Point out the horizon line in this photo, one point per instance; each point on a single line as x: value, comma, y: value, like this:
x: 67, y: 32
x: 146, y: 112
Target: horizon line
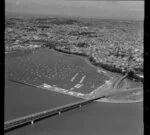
x: 72, y: 16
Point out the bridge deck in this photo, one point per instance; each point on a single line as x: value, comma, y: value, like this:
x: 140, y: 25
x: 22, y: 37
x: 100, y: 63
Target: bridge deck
x: 12, y: 124
x: 46, y: 113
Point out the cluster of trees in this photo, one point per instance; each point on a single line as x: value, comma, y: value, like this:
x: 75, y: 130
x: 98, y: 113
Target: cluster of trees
x: 82, y: 45
x: 113, y: 68
x: 50, y: 44
x: 64, y: 21
x: 43, y: 27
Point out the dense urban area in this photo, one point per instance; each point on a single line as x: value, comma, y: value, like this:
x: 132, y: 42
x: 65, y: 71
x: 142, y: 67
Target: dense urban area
x: 115, y: 45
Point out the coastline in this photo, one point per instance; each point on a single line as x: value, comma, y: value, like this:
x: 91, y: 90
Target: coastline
x: 85, y: 58
x: 105, y: 88
x: 108, y: 73
x: 112, y: 70
x: 105, y: 100
x: 86, y: 96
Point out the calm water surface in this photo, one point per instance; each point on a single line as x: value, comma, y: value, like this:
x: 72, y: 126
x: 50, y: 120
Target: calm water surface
x: 22, y: 100
x: 54, y: 68
x: 93, y: 119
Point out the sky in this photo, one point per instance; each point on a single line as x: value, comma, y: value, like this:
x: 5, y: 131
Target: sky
x: 109, y: 9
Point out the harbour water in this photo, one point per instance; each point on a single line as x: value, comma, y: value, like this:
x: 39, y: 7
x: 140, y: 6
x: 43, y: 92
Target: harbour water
x: 56, y: 69
x: 21, y: 100
x: 46, y: 66
x: 93, y: 119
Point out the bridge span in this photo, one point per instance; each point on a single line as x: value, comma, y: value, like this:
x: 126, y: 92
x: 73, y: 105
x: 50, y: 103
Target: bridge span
x: 30, y: 119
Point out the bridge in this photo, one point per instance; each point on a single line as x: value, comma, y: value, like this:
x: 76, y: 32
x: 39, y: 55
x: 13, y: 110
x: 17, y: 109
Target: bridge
x: 30, y: 119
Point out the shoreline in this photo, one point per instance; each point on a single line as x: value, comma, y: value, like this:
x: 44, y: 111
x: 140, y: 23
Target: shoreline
x: 132, y: 77
x: 81, y: 56
x: 106, y: 72
x: 104, y: 88
x: 105, y: 100
x: 76, y: 94
x: 85, y: 58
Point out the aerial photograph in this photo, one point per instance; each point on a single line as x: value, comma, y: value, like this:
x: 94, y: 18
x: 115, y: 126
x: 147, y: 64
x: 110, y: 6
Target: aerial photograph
x: 74, y: 67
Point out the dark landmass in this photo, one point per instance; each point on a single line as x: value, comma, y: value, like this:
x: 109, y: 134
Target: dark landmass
x: 114, y: 45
